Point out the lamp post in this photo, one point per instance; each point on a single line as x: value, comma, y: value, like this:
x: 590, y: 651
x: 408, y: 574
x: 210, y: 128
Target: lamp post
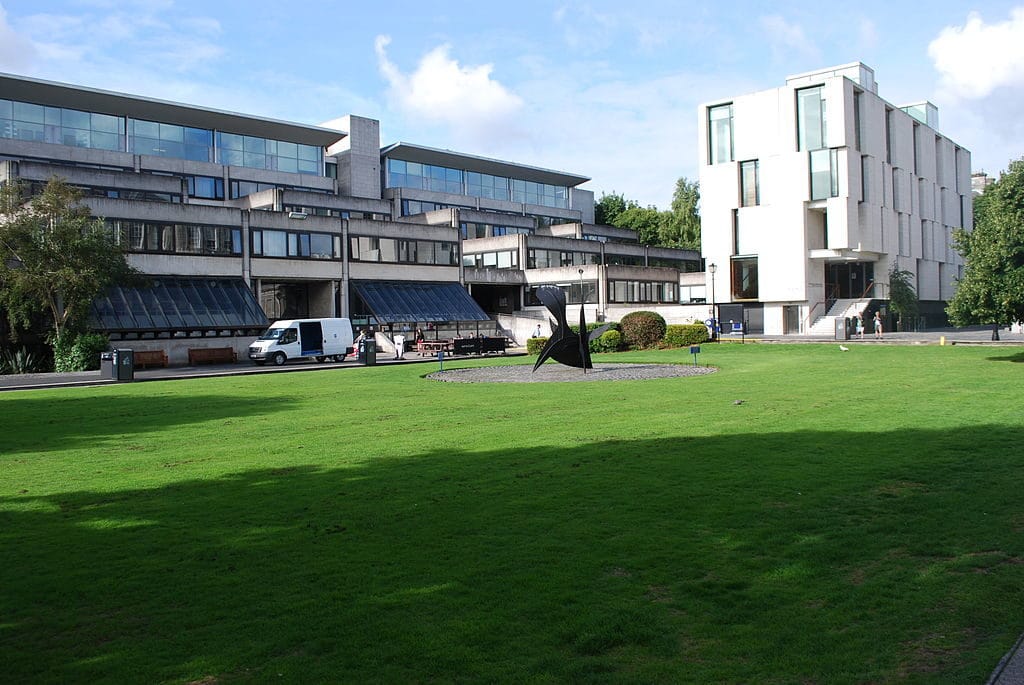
x: 712, y: 268
x: 582, y: 299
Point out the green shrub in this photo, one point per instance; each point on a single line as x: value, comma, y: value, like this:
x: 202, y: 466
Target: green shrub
x: 642, y: 330
x: 685, y: 335
x: 78, y: 353
x: 609, y: 341
x: 535, y: 345
x: 20, y: 361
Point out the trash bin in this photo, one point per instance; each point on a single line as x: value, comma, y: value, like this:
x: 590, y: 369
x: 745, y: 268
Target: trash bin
x: 124, y: 365
x: 369, y: 354
x: 107, y: 366
x: 842, y: 328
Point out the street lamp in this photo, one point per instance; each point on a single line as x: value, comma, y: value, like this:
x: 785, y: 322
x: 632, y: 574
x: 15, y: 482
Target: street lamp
x: 712, y: 268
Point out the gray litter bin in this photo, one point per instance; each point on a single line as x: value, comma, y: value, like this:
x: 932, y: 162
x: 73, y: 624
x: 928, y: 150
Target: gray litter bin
x: 369, y: 353
x: 107, y: 366
x: 842, y: 328
x: 124, y: 365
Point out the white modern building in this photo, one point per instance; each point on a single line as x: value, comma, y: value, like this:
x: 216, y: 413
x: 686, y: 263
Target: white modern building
x: 812, y: 191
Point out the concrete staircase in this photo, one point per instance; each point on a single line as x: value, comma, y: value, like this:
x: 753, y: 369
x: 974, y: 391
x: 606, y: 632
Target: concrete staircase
x: 826, y: 325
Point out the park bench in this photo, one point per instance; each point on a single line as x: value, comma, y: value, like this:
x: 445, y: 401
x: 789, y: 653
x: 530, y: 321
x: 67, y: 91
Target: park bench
x: 146, y: 358
x: 211, y: 355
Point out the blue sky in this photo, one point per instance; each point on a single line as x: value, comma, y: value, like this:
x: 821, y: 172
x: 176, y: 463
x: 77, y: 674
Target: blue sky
x: 607, y: 89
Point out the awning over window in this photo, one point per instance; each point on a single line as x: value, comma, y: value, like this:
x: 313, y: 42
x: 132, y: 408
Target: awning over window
x: 398, y: 301
x: 178, y: 304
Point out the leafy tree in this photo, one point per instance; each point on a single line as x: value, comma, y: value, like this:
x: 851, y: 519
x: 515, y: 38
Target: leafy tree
x: 902, y: 296
x: 682, y: 226
x: 992, y: 289
x: 54, y: 258
x: 609, y: 207
x: 646, y: 221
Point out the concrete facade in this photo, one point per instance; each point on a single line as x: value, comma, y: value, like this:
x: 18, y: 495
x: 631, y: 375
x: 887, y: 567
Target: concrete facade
x: 299, y: 212
x: 821, y: 187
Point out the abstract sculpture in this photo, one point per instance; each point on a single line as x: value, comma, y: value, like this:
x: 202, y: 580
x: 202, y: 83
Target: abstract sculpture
x: 565, y: 346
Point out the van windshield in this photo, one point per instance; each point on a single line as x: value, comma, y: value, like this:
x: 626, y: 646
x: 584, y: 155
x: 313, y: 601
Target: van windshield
x: 272, y: 333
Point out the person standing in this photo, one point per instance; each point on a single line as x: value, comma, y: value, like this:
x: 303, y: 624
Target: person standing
x: 878, y: 325
x: 399, y: 346
x: 860, y: 325
x: 536, y: 332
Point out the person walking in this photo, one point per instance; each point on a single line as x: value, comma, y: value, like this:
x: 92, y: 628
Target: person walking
x: 536, y: 332
x: 860, y: 325
x: 878, y: 325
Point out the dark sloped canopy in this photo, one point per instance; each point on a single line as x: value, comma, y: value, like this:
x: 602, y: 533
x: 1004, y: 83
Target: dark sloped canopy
x: 398, y: 301
x: 178, y: 305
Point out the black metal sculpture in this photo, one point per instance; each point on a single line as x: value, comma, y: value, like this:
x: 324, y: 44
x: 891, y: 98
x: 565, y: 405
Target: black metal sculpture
x: 565, y: 346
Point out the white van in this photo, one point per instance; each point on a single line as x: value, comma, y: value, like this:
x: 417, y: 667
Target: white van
x: 303, y: 338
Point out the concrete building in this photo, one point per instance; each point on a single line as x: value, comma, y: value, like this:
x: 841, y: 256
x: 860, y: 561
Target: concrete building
x: 812, y: 191
x: 240, y: 219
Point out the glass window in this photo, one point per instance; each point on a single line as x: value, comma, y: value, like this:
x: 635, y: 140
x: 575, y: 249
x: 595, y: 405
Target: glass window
x: 321, y: 246
x: 744, y: 278
x: 824, y: 165
x: 750, y: 190
x: 275, y: 244
x: 720, y: 134
x: 810, y: 106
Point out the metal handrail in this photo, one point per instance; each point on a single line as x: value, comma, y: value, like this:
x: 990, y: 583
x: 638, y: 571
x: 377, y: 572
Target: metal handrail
x: 807, y: 321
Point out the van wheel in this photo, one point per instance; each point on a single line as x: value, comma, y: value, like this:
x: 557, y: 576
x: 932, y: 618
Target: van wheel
x: 279, y: 359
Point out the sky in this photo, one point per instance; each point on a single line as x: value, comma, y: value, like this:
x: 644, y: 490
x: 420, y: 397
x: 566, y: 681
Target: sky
x: 604, y: 89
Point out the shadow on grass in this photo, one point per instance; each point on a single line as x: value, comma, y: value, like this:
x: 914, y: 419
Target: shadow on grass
x: 49, y: 423
x: 1018, y: 358
x: 818, y: 556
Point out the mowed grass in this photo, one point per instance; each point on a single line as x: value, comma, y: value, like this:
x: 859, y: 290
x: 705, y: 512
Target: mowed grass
x: 857, y: 518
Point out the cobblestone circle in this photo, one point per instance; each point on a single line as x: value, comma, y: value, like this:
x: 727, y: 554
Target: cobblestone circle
x: 558, y: 373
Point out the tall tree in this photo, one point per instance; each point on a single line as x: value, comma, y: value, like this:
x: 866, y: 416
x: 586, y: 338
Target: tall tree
x: 903, y: 297
x: 682, y: 225
x: 646, y: 221
x: 53, y: 257
x: 609, y: 207
x: 992, y: 289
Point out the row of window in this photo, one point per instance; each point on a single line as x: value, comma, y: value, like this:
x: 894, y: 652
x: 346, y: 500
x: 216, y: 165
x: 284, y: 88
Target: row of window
x: 499, y: 259
x: 471, y: 229
x: 336, y: 213
x: 36, y: 188
x: 77, y: 128
x: 402, y: 174
x: 544, y: 259
x: 619, y: 292
x: 295, y: 244
x: 171, y: 238
x: 402, y: 251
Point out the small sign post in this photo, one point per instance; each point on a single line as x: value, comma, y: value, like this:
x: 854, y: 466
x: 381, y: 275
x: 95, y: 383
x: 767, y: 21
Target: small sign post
x: 440, y: 360
x: 695, y: 350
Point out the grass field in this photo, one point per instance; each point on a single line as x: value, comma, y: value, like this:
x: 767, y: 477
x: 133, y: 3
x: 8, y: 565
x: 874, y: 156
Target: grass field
x: 857, y: 518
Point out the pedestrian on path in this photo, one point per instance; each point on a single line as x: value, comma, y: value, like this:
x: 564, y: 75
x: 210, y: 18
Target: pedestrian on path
x: 878, y: 326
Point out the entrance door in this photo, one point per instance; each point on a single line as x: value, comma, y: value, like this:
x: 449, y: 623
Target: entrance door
x: 849, y: 280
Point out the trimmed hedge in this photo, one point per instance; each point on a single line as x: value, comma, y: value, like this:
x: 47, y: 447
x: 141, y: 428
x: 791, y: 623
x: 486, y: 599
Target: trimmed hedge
x: 535, y: 345
x: 610, y: 341
x: 684, y: 335
x: 642, y: 330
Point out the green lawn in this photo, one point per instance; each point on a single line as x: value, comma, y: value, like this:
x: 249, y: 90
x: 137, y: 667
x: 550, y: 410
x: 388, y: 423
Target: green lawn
x: 857, y: 518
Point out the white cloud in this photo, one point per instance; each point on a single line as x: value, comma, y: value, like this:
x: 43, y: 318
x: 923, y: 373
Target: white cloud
x: 787, y: 39
x: 975, y: 59
x: 16, y: 51
x: 441, y: 90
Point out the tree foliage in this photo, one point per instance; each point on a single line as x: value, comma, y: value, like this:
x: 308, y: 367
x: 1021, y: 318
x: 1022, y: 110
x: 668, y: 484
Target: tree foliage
x: 992, y: 289
x: 53, y: 257
x: 677, y: 227
x: 902, y: 296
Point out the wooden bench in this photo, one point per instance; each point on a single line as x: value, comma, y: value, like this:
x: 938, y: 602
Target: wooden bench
x: 144, y: 358
x: 211, y: 355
